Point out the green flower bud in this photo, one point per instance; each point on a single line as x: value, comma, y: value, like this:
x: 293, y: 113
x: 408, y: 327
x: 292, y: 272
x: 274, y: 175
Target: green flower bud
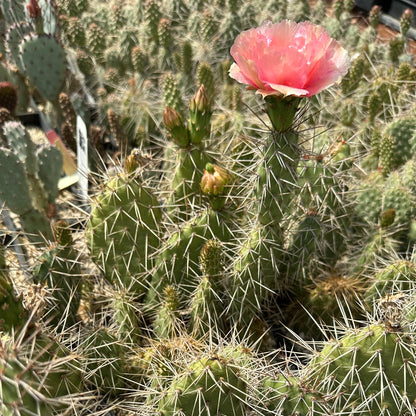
x: 176, y: 127
x: 131, y: 164
x: 199, y: 116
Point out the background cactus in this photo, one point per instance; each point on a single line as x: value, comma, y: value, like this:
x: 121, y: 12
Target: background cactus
x: 34, y: 172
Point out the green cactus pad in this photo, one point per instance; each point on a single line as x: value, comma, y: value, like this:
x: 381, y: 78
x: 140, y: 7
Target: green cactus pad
x: 211, y: 386
x: 13, y: 315
x: 401, y: 132
x: 126, y: 317
x: 402, y: 200
x: 366, y: 370
x: 14, y: 188
x: 277, y: 173
x: 257, y: 274
x: 13, y: 10
x: 284, y: 395
x: 21, y: 143
x: 186, y: 181
x: 103, y: 356
x: 44, y: 61
x: 369, y: 197
x: 167, y: 323
x: 60, y: 270
x: 178, y: 261
x: 97, y: 41
x: 36, y: 226
x: 50, y: 170
x: 19, y: 140
x: 399, y: 275
x: 37, y: 377
x: 123, y: 232
x: 14, y: 38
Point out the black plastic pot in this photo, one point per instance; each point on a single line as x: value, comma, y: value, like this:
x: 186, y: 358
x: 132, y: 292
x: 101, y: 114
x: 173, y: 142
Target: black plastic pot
x: 30, y: 119
x: 392, y: 11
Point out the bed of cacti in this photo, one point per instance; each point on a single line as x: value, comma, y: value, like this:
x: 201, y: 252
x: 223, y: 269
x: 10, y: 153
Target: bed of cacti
x: 226, y: 263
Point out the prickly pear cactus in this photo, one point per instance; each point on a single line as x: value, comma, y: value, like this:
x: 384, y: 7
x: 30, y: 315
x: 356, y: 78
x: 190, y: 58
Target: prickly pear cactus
x: 13, y: 315
x: 29, y: 179
x: 103, y: 360
x: 123, y: 230
x: 60, y: 270
x: 285, y: 395
x: 37, y: 377
x: 211, y: 385
x: 368, y: 369
x: 44, y: 61
x: 398, y: 275
x: 401, y: 132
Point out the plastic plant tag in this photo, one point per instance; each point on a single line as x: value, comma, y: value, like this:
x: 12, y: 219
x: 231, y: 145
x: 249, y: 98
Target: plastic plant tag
x: 82, y: 158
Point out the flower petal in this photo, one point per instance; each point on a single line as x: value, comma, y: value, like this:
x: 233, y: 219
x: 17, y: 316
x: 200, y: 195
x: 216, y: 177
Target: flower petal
x: 288, y: 58
x: 286, y: 90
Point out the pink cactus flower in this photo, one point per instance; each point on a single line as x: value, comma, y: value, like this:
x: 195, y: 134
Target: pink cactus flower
x: 288, y: 59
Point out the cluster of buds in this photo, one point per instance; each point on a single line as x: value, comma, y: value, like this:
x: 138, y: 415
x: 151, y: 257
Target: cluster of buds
x: 198, y: 126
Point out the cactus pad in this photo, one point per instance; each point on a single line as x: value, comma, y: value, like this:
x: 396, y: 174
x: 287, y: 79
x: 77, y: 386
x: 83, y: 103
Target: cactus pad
x: 45, y: 64
x: 210, y: 387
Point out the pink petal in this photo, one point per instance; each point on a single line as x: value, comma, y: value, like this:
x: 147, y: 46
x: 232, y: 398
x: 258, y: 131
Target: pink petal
x: 286, y: 90
x: 288, y: 58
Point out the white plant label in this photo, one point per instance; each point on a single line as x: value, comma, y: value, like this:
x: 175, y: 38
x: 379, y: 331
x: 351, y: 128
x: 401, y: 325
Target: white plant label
x: 82, y: 159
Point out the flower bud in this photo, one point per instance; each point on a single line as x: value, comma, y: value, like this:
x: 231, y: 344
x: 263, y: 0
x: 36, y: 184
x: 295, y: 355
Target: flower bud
x: 176, y: 127
x: 374, y: 16
x: 406, y: 21
x: 199, y: 116
x: 200, y: 101
x: 131, y: 164
x: 214, y: 180
x: 213, y: 183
